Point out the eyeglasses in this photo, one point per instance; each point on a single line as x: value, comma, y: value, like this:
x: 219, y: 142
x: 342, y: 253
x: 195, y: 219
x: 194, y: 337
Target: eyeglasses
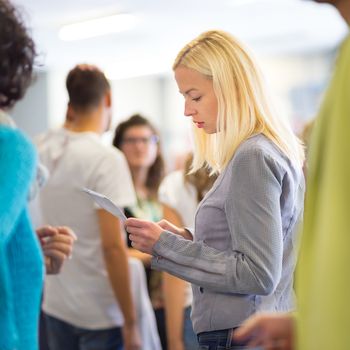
x: 152, y: 140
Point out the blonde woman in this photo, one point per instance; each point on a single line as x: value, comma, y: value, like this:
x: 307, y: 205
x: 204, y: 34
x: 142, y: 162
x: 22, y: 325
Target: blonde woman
x: 242, y: 256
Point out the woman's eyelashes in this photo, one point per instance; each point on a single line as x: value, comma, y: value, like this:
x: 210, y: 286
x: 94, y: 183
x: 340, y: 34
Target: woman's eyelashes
x: 196, y: 99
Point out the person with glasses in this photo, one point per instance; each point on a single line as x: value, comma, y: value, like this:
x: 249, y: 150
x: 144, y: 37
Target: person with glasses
x: 138, y: 139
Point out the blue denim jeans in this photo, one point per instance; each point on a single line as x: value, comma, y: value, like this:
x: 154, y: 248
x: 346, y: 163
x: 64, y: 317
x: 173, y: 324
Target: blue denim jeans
x: 219, y: 340
x: 64, y: 336
x: 190, y: 337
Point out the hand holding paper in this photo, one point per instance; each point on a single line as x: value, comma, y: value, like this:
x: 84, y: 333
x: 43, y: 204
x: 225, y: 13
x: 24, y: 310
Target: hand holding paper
x: 106, y: 204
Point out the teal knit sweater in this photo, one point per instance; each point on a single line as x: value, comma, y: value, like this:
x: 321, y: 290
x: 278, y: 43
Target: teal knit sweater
x: 21, y: 262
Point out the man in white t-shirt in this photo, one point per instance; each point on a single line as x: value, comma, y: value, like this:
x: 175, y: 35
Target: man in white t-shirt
x: 89, y: 305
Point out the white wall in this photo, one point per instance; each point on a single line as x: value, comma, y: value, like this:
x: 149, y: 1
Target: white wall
x: 138, y: 95
x: 57, y: 98
x: 30, y: 113
x: 298, y: 83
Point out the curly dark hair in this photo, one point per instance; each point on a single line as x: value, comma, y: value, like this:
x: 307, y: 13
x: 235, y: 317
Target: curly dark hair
x: 156, y: 171
x: 17, y: 54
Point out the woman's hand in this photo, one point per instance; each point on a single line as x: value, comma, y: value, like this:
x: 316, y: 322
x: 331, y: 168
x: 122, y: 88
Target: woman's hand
x: 168, y: 226
x: 273, y: 331
x: 143, y: 234
x: 57, y: 245
x: 131, y: 337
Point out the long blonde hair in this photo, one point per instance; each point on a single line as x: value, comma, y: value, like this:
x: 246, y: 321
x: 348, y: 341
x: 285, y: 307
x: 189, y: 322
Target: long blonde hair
x: 201, y: 180
x: 244, y: 108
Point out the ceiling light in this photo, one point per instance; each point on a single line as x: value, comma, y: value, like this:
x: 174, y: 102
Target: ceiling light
x: 97, y: 27
x: 239, y: 3
x: 131, y: 68
x: 242, y: 2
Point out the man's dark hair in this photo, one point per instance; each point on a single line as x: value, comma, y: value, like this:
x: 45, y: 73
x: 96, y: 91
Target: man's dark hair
x: 86, y: 86
x: 17, y: 54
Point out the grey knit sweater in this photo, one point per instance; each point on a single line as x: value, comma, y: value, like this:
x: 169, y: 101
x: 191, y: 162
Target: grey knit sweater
x: 243, y: 255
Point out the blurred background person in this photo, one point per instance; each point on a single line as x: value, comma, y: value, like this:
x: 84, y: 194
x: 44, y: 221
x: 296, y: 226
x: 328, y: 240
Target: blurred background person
x: 181, y: 192
x: 138, y: 139
x: 89, y: 305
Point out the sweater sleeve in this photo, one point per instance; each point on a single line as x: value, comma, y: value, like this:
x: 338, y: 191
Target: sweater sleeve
x: 253, y: 263
x: 17, y: 164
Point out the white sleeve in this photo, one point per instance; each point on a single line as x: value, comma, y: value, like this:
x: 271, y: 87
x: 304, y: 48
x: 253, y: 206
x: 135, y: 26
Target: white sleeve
x: 112, y: 178
x: 179, y: 196
x: 168, y: 192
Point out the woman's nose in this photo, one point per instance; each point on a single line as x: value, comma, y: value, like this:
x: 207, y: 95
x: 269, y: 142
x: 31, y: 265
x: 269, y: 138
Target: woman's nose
x: 189, y: 111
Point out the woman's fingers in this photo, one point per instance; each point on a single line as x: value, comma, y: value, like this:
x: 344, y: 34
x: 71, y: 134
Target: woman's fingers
x: 137, y: 231
x: 140, y: 242
x: 143, y: 234
x: 45, y: 233
x: 249, y: 329
x: 133, y: 222
x: 55, y: 254
x: 271, y: 331
x: 64, y: 230
x: 59, y: 245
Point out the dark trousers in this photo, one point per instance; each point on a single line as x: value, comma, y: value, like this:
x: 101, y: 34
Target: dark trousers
x: 64, y: 336
x: 189, y: 337
x: 219, y: 340
x: 160, y: 319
